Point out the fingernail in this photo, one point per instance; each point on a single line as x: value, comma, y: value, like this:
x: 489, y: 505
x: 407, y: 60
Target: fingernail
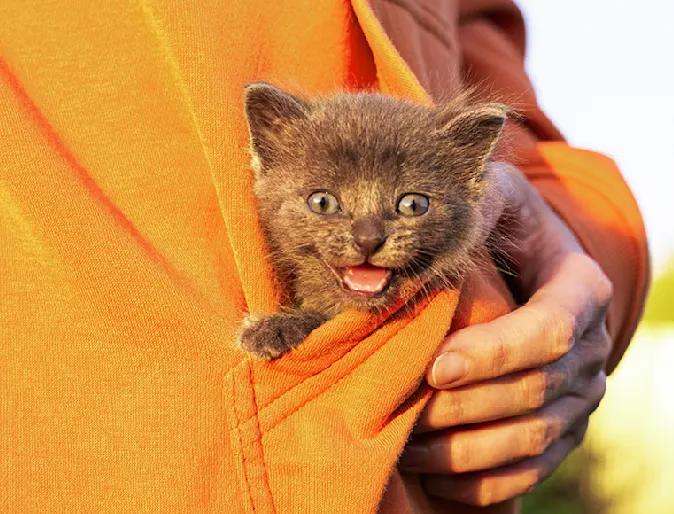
x: 414, y: 457
x: 448, y: 368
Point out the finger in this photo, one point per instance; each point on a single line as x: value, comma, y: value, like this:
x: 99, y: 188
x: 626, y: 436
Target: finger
x: 597, y: 345
x: 584, y: 362
x: 532, y: 336
x: 497, y: 485
x: 519, y: 393
x: 495, y: 399
x: 496, y: 444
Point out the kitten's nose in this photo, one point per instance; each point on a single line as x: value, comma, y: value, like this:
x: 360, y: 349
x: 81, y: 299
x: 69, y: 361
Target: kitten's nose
x: 368, y: 234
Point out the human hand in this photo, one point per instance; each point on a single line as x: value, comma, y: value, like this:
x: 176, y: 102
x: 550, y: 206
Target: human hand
x: 514, y: 395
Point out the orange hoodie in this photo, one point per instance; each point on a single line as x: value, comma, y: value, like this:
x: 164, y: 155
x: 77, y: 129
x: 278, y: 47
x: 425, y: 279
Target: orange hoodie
x: 129, y: 250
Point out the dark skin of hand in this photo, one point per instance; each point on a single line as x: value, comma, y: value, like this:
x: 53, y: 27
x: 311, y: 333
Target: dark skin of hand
x: 514, y: 395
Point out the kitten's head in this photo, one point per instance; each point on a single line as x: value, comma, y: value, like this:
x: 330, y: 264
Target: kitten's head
x: 361, y: 195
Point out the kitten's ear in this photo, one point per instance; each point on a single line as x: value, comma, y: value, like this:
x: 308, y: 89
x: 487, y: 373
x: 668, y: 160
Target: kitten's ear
x: 269, y: 112
x: 476, y: 130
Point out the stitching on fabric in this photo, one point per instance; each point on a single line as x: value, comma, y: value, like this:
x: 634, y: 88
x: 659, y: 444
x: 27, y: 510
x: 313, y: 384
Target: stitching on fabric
x: 258, y: 439
x: 241, y: 447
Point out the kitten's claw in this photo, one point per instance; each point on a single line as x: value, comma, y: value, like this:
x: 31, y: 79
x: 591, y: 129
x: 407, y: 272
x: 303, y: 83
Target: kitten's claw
x: 271, y: 336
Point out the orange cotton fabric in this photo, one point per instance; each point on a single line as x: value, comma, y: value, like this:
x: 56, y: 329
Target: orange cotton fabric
x: 129, y: 250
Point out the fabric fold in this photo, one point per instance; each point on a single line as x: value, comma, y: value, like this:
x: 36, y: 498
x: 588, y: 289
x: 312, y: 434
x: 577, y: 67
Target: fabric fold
x: 130, y: 251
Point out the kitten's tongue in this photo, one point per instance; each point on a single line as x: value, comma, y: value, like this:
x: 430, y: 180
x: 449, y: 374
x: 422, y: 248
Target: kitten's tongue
x: 366, y: 278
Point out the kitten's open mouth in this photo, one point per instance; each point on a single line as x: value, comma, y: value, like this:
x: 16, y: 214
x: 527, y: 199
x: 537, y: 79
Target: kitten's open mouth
x: 366, y: 280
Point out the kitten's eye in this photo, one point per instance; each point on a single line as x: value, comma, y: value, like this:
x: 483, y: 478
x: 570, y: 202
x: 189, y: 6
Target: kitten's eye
x: 323, y: 203
x: 413, y: 204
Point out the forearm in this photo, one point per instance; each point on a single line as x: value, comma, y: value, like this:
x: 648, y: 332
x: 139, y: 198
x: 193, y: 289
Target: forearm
x: 584, y: 188
x: 588, y: 193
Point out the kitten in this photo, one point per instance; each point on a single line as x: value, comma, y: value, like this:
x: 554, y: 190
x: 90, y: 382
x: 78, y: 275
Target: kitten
x: 362, y: 198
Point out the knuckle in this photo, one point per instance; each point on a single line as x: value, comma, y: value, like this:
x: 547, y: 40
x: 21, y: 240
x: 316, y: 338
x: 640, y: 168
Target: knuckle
x: 455, y: 407
x: 484, y: 499
x: 539, y: 437
x: 499, y: 357
x: 594, y: 348
x: 535, y: 389
x: 460, y: 454
x: 602, y: 343
x: 577, y: 435
x: 563, y: 330
x: 448, y: 408
x: 604, y: 288
x: 531, y: 479
x: 484, y: 495
x: 598, y: 390
x: 555, y: 379
x: 602, y: 384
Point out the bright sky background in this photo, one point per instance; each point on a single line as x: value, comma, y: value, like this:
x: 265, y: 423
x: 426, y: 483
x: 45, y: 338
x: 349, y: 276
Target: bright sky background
x: 604, y: 73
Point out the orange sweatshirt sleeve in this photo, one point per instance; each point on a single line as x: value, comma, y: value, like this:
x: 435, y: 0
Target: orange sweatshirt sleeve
x: 586, y: 189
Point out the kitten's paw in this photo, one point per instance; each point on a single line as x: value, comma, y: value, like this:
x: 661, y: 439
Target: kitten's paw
x: 272, y: 336
x: 263, y: 338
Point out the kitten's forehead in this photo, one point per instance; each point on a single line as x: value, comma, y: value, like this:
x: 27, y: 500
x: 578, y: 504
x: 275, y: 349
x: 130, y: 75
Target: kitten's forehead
x: 370, y: 149
x: 363, y: 197
x: 363, y: 138
x: 375, y: 119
